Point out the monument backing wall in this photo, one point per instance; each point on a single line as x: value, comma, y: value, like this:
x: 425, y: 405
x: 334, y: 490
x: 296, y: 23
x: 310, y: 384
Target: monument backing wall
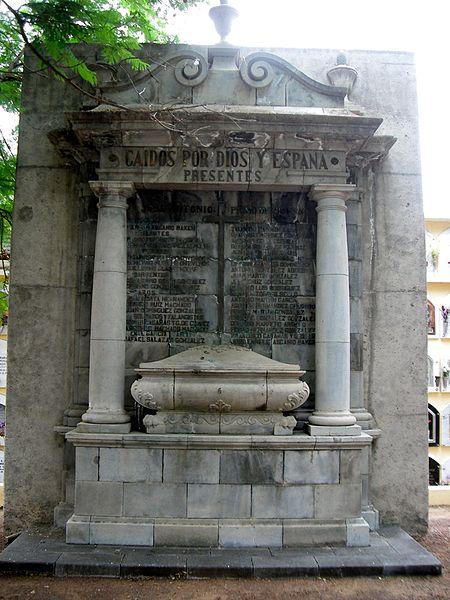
x: 205, y: 255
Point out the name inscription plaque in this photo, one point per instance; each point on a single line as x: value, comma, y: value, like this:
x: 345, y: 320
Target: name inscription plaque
x: 212, y: 267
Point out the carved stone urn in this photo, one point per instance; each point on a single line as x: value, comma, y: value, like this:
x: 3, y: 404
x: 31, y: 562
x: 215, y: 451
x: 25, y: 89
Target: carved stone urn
x: 219, y: 389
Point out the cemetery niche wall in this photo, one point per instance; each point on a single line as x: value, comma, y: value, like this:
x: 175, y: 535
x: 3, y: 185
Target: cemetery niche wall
x: 238, y: 226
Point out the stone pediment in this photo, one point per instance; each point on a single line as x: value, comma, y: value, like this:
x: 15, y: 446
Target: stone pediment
x: 220, y: 74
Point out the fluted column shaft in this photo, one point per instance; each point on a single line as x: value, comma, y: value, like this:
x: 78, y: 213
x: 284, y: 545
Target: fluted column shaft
x: 108, y: 314
x: 332, y: 309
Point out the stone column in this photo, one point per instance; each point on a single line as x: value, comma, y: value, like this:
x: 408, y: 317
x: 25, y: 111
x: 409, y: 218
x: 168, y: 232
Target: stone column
x: 106, y: 411
x: 332, y: 414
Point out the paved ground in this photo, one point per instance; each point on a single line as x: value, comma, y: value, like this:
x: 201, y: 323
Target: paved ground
x: 367, y: 588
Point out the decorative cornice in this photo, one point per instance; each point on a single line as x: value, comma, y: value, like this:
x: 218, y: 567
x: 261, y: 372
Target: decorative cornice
x: 374, y: 150
x: 232, y: 442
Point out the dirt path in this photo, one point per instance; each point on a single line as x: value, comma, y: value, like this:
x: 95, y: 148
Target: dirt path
x: 364, y: 588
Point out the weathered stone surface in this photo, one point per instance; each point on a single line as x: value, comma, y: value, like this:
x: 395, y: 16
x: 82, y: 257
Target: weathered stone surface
x: 186, y: 532
x: 290, y: 502
x: 191, y: 466
x: 350, y: 466
x: 130, y: 464
x: 235, y: 534
x: 99, y: 498
x: 125, y: 533
x: 87, y: 463
x: 337, y: 501
x: 310, y: 533
x: 311, y: 467
x: 154, y: 500
x: 357, y: 533
x: 218, y: 501
x: 78, y: 530
x: 251, y: 466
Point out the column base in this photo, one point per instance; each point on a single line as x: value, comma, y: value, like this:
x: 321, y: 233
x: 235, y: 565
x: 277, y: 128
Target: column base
x: 318, y: 430
x: 113, y: 417
x: 332, y: 418
x: 363, y: 417
x: 372, y: 517
x: 103, y: 427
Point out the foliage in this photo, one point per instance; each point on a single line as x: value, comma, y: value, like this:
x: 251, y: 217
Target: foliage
x: 445, y: 312
x: 48, y: 28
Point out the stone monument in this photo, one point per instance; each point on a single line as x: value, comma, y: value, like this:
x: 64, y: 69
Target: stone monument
x: 240, y: 227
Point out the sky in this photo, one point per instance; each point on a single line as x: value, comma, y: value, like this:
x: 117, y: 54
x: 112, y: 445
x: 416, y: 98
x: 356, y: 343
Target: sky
x: 420, y: 27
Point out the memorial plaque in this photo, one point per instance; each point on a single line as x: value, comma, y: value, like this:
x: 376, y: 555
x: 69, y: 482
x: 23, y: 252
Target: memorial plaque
x: 238, y: 266
x: 231, y: 168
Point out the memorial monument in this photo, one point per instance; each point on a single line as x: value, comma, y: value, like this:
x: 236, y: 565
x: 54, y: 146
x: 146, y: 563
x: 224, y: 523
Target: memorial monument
x: 229, y: 230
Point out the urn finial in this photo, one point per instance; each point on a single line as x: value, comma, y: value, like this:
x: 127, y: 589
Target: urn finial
x: 223, y: 16
x: 342, y: 75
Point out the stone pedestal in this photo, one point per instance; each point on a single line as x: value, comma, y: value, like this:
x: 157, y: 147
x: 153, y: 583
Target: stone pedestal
x: 218, y: 490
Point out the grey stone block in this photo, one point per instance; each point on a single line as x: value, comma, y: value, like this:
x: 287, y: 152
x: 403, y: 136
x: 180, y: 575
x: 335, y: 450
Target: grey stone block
x: 361, y: 565
x: 311, y: 466
x: 313, y: 533
x: 278, y: 502
x: 337, y: 501
x: 100, y: 498
x: 303, y: 355
x: 329, y: 565
x: 350, y: 466
x: 125, y: 533
x: 354, y: 242
x: 355, y: 278
x: 237, y: 534
x: 358, y: 532
x: 356, y: 315
x: 77, y: 530
x: 223, y: 565
x: 191, y: 466
x: 62, y: 514
x: 356, y: 352
x: 104, y: 565
x: 130, y: 464
x: 251, y: 466
x: 218, y: 501
x: 186, y: 532
x: 353, y: 215
x: 86, y: 465
x: 154, y: 500
x: 211, y: 91
x: 141, y: 563
x: 372, y: 518
x: 289, y: 566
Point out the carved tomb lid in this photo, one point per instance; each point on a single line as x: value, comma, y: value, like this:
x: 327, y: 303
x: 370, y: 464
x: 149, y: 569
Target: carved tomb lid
x: 220, y: 359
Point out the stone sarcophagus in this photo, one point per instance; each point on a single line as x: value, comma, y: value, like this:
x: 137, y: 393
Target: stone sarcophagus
x: 219, y: 389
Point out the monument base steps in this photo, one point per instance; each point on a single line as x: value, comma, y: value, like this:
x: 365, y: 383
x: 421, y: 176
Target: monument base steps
x: 219, y: 533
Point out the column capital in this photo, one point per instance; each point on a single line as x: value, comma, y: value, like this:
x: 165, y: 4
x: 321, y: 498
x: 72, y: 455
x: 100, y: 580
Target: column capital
x: 119, y: 190
x: 339, y: 191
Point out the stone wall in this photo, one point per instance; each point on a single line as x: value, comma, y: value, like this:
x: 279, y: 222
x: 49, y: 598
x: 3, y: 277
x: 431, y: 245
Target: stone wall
x: 43, y: 297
